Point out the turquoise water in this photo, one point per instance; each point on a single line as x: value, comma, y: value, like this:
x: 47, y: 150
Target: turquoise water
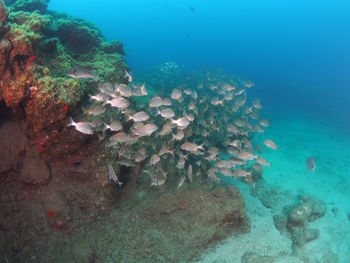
x: 295, y: 51
x: 297, y: 54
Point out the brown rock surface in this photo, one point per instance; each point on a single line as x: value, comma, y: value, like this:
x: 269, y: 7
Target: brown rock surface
x: 12, y: 145
x: 35, y: 171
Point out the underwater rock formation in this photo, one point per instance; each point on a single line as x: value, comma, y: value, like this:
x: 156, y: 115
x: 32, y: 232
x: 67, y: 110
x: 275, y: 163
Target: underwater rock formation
x: 28, y: 5
x: 37, y: 48
x: 295, y: 220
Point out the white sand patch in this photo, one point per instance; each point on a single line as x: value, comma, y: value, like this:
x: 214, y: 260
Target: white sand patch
x: 263, y: 239
x: 298, y: 139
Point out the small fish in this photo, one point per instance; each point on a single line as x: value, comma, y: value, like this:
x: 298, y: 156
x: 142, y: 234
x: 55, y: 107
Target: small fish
x: 167, y: 128
x: 94, y: 110
x: 248, y: 84
x: 165, y: 149
x: 227, y: 172
x: 122, y: 137
x: 113, y: 176
x: 128, y: 75
x: 265, y: 123
x: 119, y: 103
x: 81, y: 73
x: 271, y: 144
x: 145, y: 130
x: 262, y: 161
x: 155, y: 102
x: 83, y: 127
x: 189, y: 172
x: 181, y: 122
x: 158, y: 181
x: 190, y: 147
x: 99, y: 97
x: 114, y: 126
x: 126, y: 162
x: 212, y: 175
x: 140, y: 155
x: 124, y: 90
x: 166, y: 113
x: 310, y: 164
x: 178, y: 136
x: 236, y: 161
x: 155, y: 158
x: 181, y: 182
x: 215, y: 101
x: 106, y: 88
x: 223, y: 164
x: 246, y: 156
x: 167, y: 102
x: 139, y: 116
x: 241, y: 173
x: 176, y: 94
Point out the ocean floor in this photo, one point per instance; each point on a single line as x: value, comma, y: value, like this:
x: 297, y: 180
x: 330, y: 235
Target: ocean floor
x: 298, y: 138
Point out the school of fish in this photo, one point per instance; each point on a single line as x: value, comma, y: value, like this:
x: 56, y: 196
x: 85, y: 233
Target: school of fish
x: 203, y: 127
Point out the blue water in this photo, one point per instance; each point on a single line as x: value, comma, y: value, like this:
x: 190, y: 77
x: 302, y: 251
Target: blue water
x: 297, y: 52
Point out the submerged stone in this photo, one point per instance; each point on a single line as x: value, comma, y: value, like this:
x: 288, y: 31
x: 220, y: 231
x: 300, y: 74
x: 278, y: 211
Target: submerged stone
x: 35, y: 171
x: 12, y: 144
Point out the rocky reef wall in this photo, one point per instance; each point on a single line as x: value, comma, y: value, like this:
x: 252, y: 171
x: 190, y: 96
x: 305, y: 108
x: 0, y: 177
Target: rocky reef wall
x: 37, y: 48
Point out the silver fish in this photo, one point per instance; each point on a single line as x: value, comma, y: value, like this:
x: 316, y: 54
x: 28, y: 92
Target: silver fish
x: 181, y: 182
x: 83, y: 127
x: 114, y: 126
x: 99, y: 97
x: 155, y: 158
x: 140, y: 155
x: 128, y: 75
x: 139, y: 116
x: 113, y: 176
x: 191, y: 147
x: 94, y: 110
x: 271, y: 144
x: 119, y: 103
x: 166, y: 113
x: 310, y: 164
x: 181, y: 122
x: 155, y: 102
x: 167, y: 102
x: 81, y: 73
x: 145, y: 130
x: 126, y: 162
x: 124, y: 90
x: 176, y: 94
x: 178, y: 136
x: 241, y: 173
x: 246, y: 156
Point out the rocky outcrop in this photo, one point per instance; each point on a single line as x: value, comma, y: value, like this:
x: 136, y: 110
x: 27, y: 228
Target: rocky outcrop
x: 37, y: 48
x: 295, y: 220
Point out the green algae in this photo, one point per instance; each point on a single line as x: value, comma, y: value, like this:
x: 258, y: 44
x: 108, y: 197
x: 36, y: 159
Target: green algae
x: 64, y: 90
x: 27, y: 27
x: 28, y: 5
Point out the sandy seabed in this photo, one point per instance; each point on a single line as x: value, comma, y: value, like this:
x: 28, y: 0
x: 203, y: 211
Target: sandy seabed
x: 298, y: 137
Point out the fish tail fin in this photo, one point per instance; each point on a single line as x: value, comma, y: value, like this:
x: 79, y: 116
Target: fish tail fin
x: 105, y: 127
x: 86, y: 112
x: 71, y: 122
